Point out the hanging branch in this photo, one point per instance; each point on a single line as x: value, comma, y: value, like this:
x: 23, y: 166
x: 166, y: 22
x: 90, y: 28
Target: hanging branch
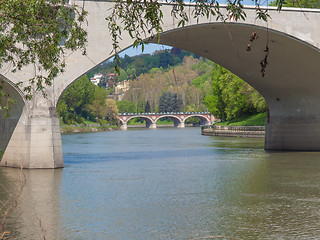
x: 253, y: 36
x: 143, y: 19
x: 264, y: 62
x: 38, y: 33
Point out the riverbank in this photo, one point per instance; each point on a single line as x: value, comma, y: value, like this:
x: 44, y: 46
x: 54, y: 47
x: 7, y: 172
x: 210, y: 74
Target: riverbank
x: 82, y: 128
x: 258, y: 119
x: 86, y: 128
x: 250, y: 126
x: 234, y: 131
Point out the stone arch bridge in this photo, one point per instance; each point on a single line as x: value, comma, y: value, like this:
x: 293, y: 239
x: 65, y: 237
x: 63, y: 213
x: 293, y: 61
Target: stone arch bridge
x: 178, y: 118
x: 30, y: 137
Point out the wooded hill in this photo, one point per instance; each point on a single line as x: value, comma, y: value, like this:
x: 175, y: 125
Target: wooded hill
x: 179, y: 82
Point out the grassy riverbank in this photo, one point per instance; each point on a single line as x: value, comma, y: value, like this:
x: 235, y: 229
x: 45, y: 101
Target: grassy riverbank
x: 248, y: 120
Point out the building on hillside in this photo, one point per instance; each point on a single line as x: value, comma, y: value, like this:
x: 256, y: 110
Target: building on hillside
x: 96, y: 78
x: 112, y: 76
x: 121, y: 88
x: 111, y: 79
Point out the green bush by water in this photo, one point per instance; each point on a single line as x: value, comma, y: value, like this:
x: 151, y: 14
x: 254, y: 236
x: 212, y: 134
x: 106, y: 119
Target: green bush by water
x: 247, y: 120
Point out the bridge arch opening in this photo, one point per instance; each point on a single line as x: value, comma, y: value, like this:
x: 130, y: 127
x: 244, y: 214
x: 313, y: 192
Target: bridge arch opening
x: 9, y: 122
x: 176, y: 120
x: 226, y: 44
x: 140, y: 120
x: 282, y: 87
x: 290, y: 84
x: 197, y: 120
x: 148, y: 121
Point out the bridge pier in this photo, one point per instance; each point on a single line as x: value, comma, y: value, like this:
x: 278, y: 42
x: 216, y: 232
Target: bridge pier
x: 151, y: 125
x: 36, y: 140
x: 296, y: 134
x: 179, y: 125
x: 124, y: 126
x: 8, y: 123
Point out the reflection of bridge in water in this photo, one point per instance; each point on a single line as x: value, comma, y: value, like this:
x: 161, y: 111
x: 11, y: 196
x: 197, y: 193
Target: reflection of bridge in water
x: 179, y: 118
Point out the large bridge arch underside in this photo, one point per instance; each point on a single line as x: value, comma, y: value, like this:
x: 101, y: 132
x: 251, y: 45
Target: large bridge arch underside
x: 291, y: 85
x: 9, y: 122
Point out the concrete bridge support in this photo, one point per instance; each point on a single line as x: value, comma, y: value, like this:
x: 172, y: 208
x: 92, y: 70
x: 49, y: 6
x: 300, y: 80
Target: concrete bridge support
x: 179, y: 124
x: 36, y: 140
x: 151, y: 125
x: 124, y: 126
x: 293, y: 134
x: 291, y: 84
x: 8, y: 123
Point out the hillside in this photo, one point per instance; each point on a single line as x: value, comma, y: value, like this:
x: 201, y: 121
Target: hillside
x: 166, y: 81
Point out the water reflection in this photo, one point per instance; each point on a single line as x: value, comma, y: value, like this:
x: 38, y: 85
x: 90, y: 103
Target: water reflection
x: 37, y: 212
x: 169, y: 184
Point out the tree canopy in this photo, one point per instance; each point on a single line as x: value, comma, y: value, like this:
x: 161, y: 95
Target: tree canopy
x: 78, y: 98
x: 231, y: 97
x: 298, y: 3
x: 38, y: 33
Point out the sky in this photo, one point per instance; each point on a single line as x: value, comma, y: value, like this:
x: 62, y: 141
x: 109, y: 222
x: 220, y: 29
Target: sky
x: 151, y: 48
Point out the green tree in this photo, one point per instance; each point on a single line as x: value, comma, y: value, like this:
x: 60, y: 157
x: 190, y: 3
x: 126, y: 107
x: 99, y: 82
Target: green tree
x: 98, y: 106
x: 111, y: 111
x: 232, y: 97
x: 131, y: 72
x: 147, y: 107
x: 77, y: 97
x: 122, y: 75
x: 125, y: 106
x: 298, y: 3
x: 38, y: 33
x: 169, y: 102
x: 140, y: 108
x: 215, y: 102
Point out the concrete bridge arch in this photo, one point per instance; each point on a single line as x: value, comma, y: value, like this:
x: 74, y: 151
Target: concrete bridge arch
x: 290, y: 86
x: 9, y: 123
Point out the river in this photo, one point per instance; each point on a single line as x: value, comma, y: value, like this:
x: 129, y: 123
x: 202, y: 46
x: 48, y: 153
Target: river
x: 167, y: 184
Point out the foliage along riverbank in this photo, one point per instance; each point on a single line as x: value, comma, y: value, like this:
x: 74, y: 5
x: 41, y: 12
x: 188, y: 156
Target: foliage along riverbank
x: 246, y: 120
x: 89, y: 126
x: 82, y: 128
x: 193, y: 85
x: 251, y: 126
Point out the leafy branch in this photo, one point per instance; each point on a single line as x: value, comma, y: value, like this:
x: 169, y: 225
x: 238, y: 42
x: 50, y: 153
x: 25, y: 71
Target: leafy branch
x: 38, y: 33
x: 143, y: 19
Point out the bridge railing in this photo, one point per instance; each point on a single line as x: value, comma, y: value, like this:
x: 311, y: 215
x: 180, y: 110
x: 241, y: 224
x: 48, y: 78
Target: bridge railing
x: 164, y: 113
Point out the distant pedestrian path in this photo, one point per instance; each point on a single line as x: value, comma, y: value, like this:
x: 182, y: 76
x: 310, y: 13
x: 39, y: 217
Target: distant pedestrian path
x: 179, y: 118
x: 234, y: 131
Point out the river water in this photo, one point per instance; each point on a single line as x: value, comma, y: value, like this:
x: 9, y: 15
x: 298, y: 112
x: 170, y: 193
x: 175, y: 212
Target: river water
x: 167, y: 184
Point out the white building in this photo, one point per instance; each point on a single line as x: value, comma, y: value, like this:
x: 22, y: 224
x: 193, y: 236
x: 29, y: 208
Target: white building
x: 96, y: 79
